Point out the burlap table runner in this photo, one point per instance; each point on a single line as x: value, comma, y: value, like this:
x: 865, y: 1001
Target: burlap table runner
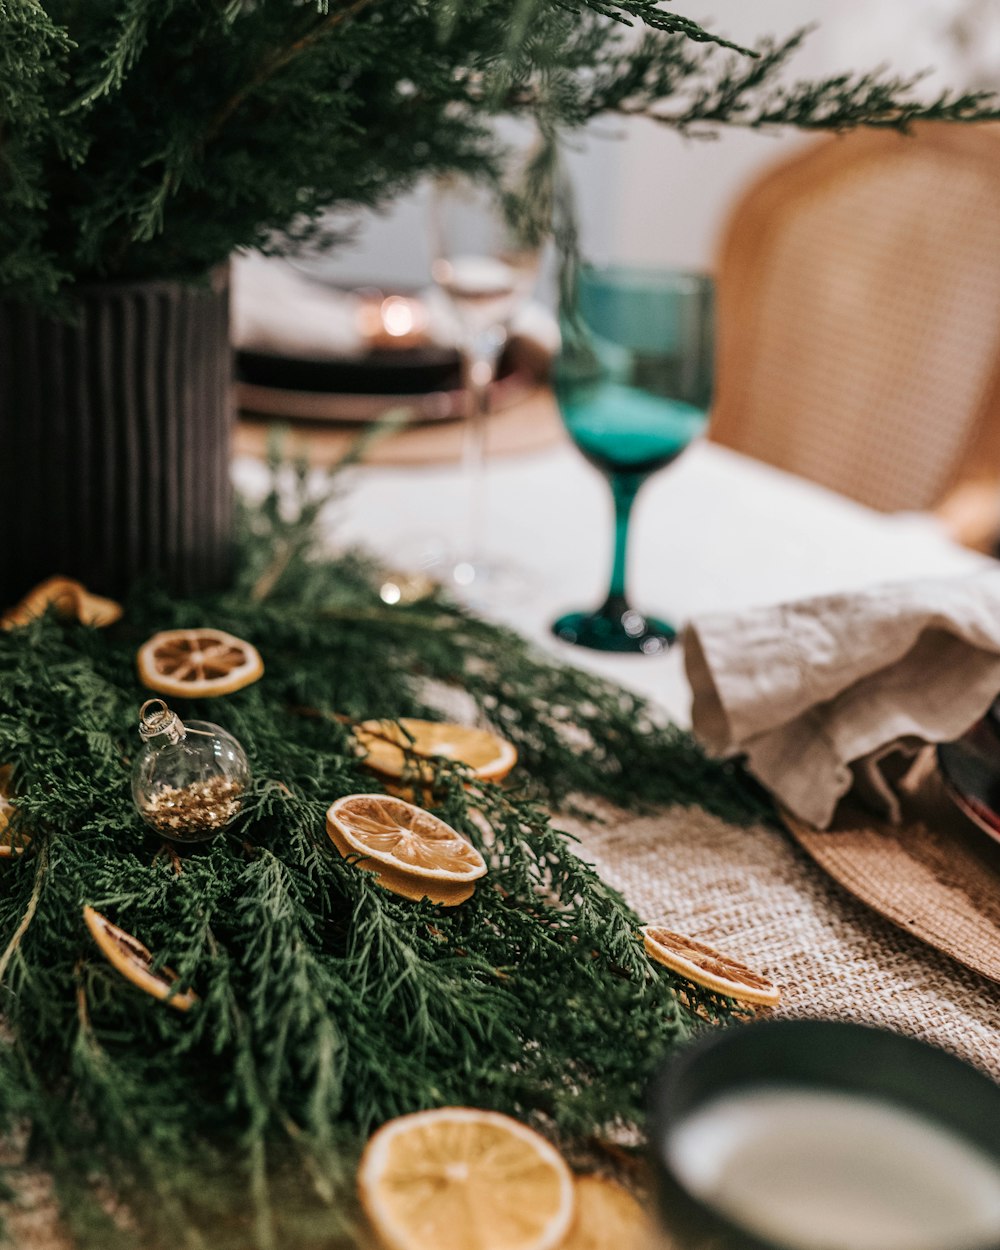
x: 755, y: 895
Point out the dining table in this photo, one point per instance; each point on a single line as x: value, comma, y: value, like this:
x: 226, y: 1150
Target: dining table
x: 715, y: 532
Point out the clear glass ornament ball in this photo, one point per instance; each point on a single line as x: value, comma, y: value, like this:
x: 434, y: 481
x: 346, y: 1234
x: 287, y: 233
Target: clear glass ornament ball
x: 190, y: 778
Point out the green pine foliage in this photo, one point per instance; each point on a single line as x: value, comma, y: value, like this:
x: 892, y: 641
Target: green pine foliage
x: 149, y: 138
x: 326, y: 1004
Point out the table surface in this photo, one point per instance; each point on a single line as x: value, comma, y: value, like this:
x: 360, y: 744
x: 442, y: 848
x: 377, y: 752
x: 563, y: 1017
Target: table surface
x: 715, y: 532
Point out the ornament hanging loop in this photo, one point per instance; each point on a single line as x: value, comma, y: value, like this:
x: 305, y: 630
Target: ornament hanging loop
x: 156, y: 719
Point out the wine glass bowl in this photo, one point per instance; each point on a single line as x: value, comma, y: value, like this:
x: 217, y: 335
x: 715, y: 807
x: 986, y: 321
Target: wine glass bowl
x: 634, y: 383
x: 485, y: 289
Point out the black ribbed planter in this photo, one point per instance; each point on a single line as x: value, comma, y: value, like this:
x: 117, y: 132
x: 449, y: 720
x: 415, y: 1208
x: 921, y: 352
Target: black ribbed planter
x: 115, y: 434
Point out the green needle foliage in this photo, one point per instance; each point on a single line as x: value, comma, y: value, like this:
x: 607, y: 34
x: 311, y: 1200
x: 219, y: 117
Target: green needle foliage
x: 149, y: 138
x: 326, y: 1004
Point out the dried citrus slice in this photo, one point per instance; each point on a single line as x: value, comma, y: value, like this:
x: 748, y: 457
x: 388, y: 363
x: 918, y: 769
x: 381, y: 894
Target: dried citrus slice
x: 198, y: 663
x: 134, y: 961
x: 10, y: 844
x: 462, y: 1179
x: 607, y: 1218
x: 69, y: 599
x: 704, y: 966
x: 6, y: 774
x: 411, y: 852
x: 390, y: 747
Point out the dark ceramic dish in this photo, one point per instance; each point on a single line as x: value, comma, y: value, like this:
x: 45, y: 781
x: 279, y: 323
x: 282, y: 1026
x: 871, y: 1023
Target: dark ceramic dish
x: 827, y: 1055
x: 970, y: 769
x: 409, y: 371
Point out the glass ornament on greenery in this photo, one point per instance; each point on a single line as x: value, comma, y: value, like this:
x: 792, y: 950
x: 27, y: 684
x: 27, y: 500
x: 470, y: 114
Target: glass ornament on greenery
x: 189, y: 779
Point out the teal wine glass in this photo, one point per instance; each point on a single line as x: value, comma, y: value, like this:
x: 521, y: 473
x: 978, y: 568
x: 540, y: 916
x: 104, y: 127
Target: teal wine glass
x: 634, y: 382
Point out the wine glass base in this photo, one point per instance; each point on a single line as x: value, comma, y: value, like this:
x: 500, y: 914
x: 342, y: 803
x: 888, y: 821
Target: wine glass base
x: 627, y: 632
x: 484, y: 583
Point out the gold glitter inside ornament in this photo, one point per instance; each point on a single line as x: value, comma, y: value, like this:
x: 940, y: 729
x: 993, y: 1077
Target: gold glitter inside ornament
x: 189, y: 779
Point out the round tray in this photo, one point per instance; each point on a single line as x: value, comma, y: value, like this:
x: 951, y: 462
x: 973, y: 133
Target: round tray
x: 935, y: 875
x: 426, y: 382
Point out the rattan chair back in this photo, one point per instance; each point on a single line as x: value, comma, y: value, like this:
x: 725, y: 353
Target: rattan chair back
x: 859, y: 315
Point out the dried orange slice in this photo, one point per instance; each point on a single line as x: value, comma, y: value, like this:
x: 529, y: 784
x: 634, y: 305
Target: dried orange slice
x: 6, y: 773
x: 707, y: 967
x: 10, y: 844
x: 411, y: 852
x: 390, y: 747
x: 198, y: 663
x: 69, y: 599
x: 462, y: 1179
x: 134, y: 961
x: 607, y: 1218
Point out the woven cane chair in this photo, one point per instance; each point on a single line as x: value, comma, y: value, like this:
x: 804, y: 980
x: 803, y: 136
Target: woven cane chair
x: 859, y: 322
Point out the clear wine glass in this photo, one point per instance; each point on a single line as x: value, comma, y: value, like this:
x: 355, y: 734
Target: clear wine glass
x: 634, y: 382
x: 486, y: 251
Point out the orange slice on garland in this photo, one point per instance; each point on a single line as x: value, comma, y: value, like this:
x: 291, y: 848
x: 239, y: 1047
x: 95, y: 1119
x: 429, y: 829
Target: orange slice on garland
x: 69, y: 599
x: 135, y: 962
x: 393, y: 748
x: 411, y: 852
x: 607, y: 1218
x: 709, y: 968
x: 6, y: 807
x: 198, y: 663
x: 462, y: 1179
x: 10, y: 844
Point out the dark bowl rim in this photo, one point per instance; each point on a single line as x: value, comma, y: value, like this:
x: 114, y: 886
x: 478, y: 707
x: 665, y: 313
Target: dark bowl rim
x: 668, y: 1084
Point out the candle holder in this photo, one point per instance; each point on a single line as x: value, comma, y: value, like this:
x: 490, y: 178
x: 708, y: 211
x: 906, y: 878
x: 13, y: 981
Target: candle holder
x: 888, y: 1134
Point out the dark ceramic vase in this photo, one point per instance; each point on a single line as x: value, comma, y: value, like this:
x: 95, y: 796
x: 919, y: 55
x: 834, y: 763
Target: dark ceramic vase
x: 115, y: 433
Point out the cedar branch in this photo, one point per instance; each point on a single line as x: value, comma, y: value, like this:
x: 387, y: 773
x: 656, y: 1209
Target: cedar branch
x: 277, y: 62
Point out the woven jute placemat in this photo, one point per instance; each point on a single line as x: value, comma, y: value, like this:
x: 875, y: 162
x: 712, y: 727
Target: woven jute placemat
x: 755, y: 894
x: 936, y: 875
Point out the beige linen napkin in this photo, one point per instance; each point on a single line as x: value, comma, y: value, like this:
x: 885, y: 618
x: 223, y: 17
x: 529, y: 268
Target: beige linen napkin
x: 823, y: 691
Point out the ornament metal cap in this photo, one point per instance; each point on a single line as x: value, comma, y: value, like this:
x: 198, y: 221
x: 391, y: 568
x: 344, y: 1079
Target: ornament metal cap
x: 156, y: 719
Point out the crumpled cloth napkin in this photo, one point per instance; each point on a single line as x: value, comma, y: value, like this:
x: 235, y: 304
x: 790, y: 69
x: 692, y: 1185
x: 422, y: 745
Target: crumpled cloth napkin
x: 826, y: 692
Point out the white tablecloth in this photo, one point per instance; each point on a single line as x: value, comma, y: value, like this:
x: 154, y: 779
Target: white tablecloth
x: 715, y: 531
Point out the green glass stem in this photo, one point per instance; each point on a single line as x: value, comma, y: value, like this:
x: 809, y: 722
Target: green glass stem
x: 624, y: 488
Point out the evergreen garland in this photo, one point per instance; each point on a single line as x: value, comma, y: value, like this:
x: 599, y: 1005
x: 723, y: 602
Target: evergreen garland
x: 150, y: 138
x: 327, y: 1003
